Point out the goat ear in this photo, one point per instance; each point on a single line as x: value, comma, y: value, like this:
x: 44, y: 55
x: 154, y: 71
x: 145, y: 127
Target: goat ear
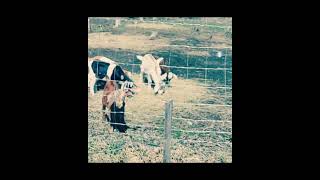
x: 140, y: 58
x: 160, y: 60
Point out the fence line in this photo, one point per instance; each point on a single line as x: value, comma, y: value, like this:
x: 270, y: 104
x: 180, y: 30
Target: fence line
x: 225, y: 87
x: 121, y: 112
x: 181, y: 118
x: 187, y: 119
x: 200, y: 132
x: 208, y: 94
x: 178, y: 46
x: 149, y: 115
x: 212, y: 87
x: 187, y: 24
x: 136, y: 125
x: 130, y: 134
x: 200, y: 104
x: 203, y: 120
x: 138, y: 82
x: 181, y: 67
x: 197, y: 141
x: 172, y: 90
x: 192, y: 47
x: 171, y: 129
x: 158, y: 127
x: 196, y: 104
x: 199, y: 86
x: 207, y: 87
x: 160, y: 138
x: 176, y: 23
x: 218, y: 69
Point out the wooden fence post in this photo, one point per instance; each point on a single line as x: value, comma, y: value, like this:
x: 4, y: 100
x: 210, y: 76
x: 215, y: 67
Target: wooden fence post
x: 167, y: 131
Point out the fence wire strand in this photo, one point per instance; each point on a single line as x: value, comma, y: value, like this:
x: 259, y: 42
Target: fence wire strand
x: 225, y: 49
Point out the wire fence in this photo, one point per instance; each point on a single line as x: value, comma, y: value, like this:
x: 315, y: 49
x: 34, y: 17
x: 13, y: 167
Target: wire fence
x: 182, y: 120
x: 184, y: 23
x: 200, y: 86
x: 214, y: 49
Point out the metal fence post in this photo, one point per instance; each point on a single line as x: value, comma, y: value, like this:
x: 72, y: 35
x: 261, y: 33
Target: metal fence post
x: 167, y: 131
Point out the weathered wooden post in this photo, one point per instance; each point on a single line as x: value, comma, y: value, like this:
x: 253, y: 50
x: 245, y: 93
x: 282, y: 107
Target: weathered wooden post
x: 167, y: 131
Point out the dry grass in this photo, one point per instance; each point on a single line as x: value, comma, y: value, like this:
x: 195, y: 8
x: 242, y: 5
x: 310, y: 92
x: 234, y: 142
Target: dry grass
x: 146, y: 109
x: 146, y: 144
x: 124, y: 41
x: 198, y: 53
x: 137, y: 40
x: 155, y: 26
x: 142, y: 43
